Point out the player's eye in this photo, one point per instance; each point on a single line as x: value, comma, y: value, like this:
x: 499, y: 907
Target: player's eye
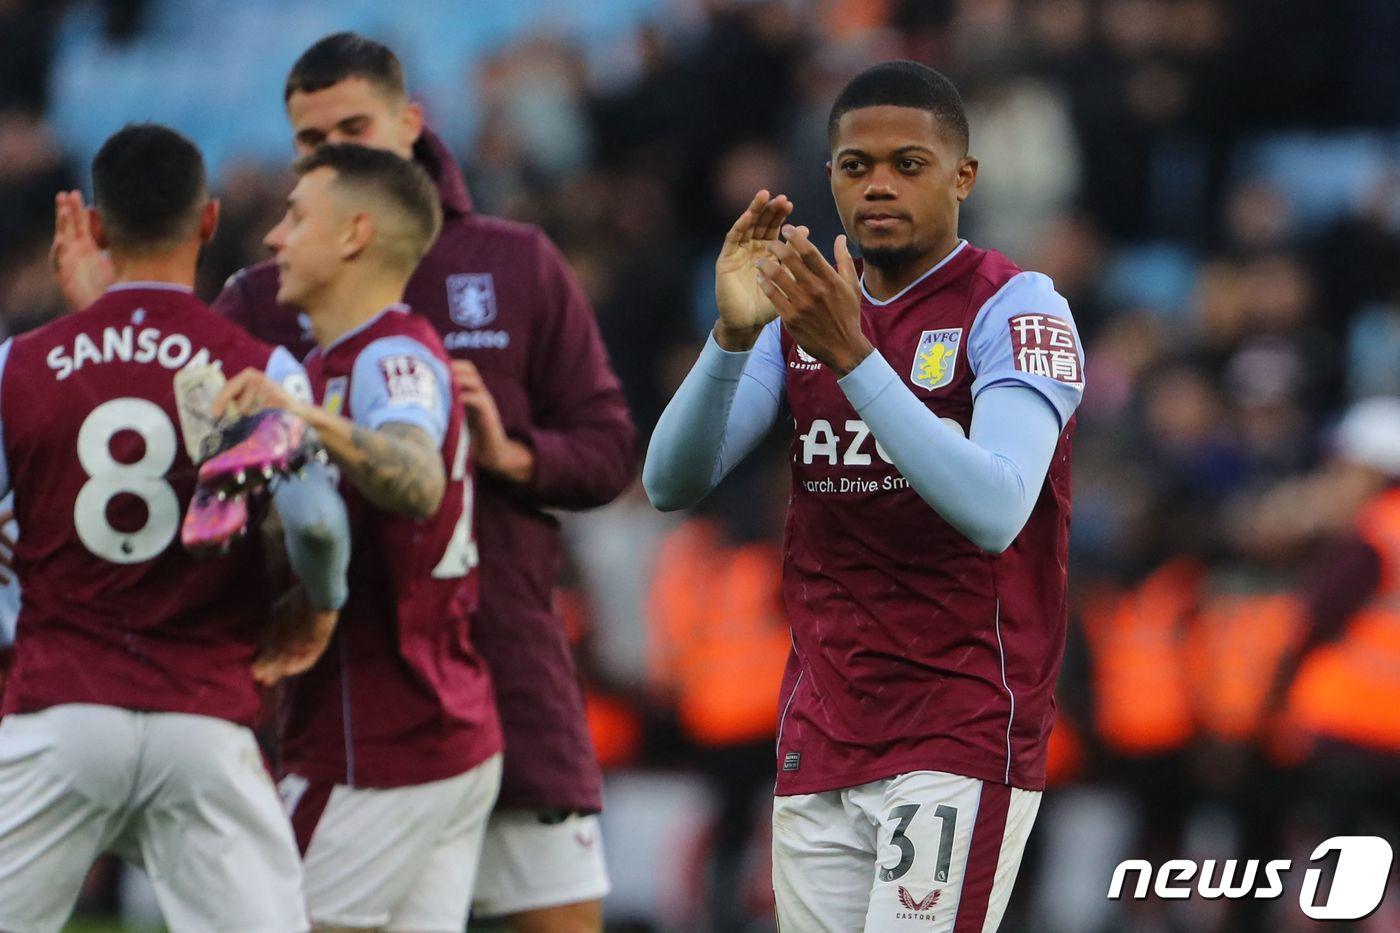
x: 910, y: 165
x: 851, y: 166
x: 354, y: 127
x: 311, y: 140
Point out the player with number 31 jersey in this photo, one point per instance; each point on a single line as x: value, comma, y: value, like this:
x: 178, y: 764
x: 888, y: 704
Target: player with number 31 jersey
x: 931, y: 391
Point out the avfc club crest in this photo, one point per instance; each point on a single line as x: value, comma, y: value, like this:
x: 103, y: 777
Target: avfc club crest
x: 471, y: 298
x: 936, y: 358
x: 333, y: 400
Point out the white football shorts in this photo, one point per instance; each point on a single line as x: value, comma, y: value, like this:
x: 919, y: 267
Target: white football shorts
x: 925, y: 846
x: 187, y: 797
x: 531, y: 861
x: 394, y: 858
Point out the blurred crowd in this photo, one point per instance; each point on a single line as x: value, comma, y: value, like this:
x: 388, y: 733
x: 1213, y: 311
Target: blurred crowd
x: 1214, y: 186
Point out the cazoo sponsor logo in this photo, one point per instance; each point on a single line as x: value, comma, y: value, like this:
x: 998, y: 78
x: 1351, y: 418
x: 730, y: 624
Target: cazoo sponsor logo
x: 1358, y: 880
x: 852, y: 446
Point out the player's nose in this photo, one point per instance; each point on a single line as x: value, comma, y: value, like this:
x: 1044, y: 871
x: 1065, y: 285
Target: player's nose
x: 881, y: 183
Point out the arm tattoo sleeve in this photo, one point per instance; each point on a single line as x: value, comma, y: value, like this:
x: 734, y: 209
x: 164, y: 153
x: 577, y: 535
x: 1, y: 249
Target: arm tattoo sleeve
x: 397, y: 467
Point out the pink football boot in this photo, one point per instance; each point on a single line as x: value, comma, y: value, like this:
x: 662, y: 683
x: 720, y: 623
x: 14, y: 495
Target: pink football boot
x: 214, y: 520
x: 254, y: 449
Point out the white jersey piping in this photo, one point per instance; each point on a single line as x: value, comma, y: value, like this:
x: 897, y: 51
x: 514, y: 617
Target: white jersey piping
x: 1012, y: 717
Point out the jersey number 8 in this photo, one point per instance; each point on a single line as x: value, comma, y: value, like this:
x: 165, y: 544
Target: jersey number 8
x: 145, y: 479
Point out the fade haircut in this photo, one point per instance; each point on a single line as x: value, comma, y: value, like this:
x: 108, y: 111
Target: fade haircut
x: 396, y: 183
x: 346, y: 55
x: 904, y: 84
x: 148, y: 185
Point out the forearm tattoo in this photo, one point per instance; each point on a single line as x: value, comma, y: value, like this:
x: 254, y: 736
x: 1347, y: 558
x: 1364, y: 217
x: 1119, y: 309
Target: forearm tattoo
x: 397, y: 467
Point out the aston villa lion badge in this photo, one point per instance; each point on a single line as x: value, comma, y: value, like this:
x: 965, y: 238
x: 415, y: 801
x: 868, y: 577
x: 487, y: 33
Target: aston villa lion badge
x: 936, y: 358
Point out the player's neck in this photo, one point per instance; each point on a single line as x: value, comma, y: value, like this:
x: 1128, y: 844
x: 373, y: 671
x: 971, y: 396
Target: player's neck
x: 171, y: 268
x: 884, y: 282
x: 347, y: 305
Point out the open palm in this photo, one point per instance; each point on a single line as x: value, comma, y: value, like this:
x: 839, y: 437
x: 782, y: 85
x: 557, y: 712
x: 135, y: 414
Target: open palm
x: 742, y: 304
x: 83, y: 269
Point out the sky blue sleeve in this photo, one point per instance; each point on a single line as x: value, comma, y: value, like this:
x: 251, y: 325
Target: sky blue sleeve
x: 315, y: 526
x: 9, y: 592
x: 283, y: 369
x: 4, y: 466
x: 985, y: 484
x: 725, y: 406
x: 316, y: 530
x: 1025, y: 334
x: 397, y: 379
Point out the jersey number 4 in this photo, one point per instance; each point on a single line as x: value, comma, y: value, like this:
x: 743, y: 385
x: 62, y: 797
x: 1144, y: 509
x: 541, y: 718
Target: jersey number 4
x: 144, y: 479
x: 461, y: 554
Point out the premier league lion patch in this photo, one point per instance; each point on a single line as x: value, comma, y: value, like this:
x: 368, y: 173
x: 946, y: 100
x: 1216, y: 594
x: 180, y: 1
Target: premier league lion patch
x: 408, y: 381
x: 936, y: 358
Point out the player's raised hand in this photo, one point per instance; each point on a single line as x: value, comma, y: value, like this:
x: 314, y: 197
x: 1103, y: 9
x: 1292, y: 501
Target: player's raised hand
x: 819, y: 305
x: 743, y: 306
x: 83, y: 269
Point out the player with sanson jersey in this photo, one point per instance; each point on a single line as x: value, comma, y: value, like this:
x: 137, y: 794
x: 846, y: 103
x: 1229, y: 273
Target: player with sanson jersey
x: 550, y: 430
x: 128, y: 706
x: 390, y: 744
x: 932, y: 389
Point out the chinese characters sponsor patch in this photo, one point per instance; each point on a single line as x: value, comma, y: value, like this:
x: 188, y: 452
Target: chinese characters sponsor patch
x: 1045, y: 345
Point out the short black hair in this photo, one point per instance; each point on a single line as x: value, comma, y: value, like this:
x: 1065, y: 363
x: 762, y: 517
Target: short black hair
x: 345, y: 55
x: 904, y: 84
x: 148, y: 185
x: 402, y: 183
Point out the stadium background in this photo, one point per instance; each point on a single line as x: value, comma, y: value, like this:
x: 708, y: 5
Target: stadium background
x: 1215, y: 186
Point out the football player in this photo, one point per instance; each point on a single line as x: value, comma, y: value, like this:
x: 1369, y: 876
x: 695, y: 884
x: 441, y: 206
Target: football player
x: 932, y: 389
x: 390, y: 744
x: 132, y: 690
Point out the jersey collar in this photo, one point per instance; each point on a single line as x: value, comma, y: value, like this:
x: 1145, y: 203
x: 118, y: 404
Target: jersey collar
x: 914, y: 284
x: 157, y: 286
x: 399, y: 308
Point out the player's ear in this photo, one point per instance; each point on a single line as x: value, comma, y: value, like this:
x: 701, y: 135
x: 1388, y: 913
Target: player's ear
x: 99, y: 232
x: 208, y: 220
x: 967, y: 176
x: 357, y: 236
x: 411, y: 123
x: 828, y: 170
